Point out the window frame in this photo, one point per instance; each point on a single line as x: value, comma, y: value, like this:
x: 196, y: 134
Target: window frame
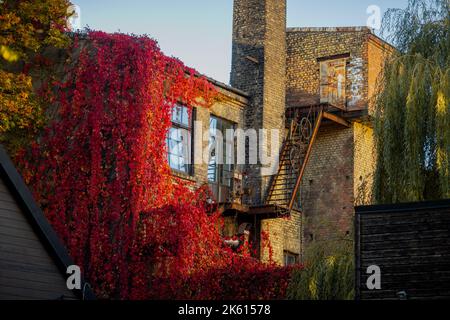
x: 190, y: 130
x: 341, y: 60
x: 223, y: 184
x: 288, y: 254
x: 219, y: 168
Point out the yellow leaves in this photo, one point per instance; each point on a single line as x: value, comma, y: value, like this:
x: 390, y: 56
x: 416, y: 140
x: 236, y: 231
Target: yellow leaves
x: 13, y: 83
x: 8, y: 54
x: 8, y: 20
x: 441, y: 106
x: 28, y: 26
x: 17, y: 107
x: 331, y: 260
x: 313, y: 287
x: 443, y: 133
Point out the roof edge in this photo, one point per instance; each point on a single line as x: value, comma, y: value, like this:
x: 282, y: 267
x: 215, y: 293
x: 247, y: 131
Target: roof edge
x: 381, y: 42
x: 403, y: 206
x: 329, y: 29
x: 227, y: 87
x: 220, y: 84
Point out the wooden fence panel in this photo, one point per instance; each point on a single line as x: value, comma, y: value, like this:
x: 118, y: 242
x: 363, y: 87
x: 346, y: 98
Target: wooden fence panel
x: 411, y: 245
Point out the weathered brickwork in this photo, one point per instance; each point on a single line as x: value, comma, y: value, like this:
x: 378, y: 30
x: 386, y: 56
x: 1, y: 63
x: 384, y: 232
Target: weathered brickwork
x: 258, y: 68
x: 364, y: 163
x: 340, y: 170
x: 285, y: 234
x: 339, y: 174
x: 306, y: 45
x: 327, y: 187
x: 274, y: 68
x: 377, y: 52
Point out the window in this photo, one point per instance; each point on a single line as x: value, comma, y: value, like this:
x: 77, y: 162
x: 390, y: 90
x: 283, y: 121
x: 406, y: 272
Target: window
x: 290, y: 258
x: 333, y: 81
x: 179, y: 140
x: 221, y: 159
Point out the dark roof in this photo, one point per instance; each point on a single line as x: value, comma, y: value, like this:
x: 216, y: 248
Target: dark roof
x: 221, y: 85
x: 36, y: 217
x: 227, y: 87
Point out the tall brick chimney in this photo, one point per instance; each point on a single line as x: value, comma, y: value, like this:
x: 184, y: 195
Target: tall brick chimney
x: 259, y: 68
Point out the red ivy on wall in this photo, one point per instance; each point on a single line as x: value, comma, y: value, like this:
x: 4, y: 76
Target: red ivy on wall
x: 100, y: 173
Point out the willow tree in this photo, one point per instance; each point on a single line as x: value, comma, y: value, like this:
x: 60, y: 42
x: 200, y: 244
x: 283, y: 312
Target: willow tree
x: 412, y: 119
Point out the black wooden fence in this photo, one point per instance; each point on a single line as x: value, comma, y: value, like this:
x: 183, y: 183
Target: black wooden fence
x: 411, y: 245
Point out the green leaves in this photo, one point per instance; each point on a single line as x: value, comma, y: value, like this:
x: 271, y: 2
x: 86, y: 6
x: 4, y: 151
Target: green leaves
x: 326, y: 276
x: 443, y: 133
x: 412, y: 107
x: 27, y: 26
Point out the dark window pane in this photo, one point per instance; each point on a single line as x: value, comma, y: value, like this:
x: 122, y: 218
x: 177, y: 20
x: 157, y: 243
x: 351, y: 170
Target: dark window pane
x: 290, y: 258
x: 220, y: 170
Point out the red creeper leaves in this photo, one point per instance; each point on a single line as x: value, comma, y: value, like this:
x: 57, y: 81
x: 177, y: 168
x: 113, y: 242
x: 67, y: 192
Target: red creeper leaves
x: 100, y: 173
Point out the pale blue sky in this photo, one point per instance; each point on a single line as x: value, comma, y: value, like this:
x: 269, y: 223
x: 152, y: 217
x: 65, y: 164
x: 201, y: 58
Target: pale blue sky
x: 199, y: 31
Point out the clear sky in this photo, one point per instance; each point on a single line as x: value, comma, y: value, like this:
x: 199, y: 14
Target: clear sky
x: 199, y: 31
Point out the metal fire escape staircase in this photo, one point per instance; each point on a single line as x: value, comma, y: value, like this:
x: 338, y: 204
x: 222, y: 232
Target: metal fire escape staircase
x: 294, y: 156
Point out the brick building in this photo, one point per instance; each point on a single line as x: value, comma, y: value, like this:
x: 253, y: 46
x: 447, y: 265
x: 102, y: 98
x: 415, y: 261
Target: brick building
x: 313, y: 85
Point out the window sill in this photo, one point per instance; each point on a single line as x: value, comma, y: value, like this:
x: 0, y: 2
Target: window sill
x: 183, y: 176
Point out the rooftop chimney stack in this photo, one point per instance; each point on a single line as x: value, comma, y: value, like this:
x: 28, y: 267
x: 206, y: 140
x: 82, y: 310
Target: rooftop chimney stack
x: 259, y: 68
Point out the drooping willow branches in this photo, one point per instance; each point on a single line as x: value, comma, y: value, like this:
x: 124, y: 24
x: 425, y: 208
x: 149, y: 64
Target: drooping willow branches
x: 412, y: 118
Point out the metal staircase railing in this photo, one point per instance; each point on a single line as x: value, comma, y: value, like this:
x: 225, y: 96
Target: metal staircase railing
x: 294, y: 157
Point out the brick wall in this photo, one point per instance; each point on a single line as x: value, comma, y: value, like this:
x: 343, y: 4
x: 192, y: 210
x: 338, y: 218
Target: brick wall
x: 340, y: 170
x: 285, y: 234
x: 339, y: 174
x: 326, y: 191
x: 377, y: 52
x: 306, y: 45
x: 364, y: 163
x: 258, y: 68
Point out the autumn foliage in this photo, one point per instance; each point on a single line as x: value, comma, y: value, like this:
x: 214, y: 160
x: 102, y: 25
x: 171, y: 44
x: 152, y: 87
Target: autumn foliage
x: 100, y: 173
x: 26, y: 28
